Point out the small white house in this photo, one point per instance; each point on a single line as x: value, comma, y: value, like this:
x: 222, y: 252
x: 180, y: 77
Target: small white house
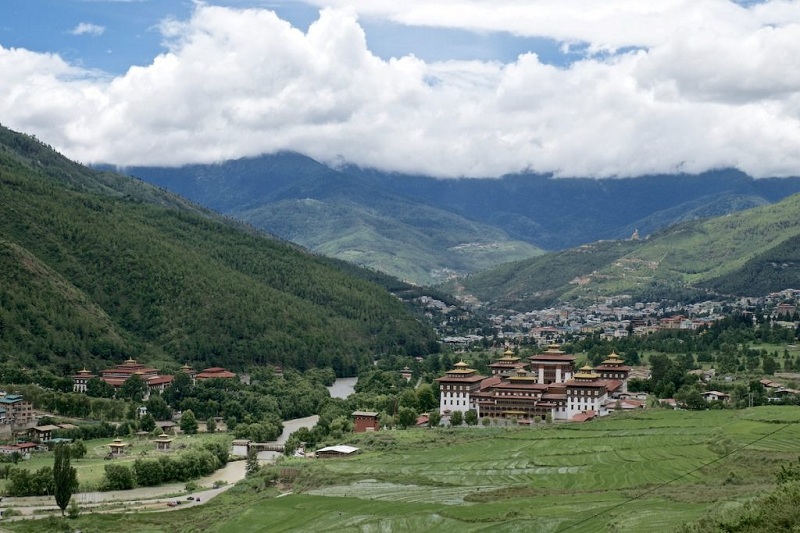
x: 716, y: 396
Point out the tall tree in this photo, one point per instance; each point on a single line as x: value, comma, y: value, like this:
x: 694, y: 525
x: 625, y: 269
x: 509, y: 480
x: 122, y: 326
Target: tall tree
x: 188, y: 422
x: 64, y: 476
x: 134, y: 388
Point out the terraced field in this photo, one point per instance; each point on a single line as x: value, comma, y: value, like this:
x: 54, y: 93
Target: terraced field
x: 650, y: 471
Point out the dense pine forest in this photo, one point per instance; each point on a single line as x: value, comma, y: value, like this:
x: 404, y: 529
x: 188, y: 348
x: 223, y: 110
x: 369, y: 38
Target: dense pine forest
x: 96, y: 267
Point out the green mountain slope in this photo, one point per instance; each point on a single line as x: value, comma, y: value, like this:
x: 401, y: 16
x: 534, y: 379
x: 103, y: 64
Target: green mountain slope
x: 417, y: 243
x: 95, y: 266
x: 344, y: 216
x: 746, y: 253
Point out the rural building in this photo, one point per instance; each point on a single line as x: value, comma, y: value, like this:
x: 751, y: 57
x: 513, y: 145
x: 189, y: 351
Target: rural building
x: 341, y: 450
x: 43, y: 433
x: 715, y: 396
x: 21, y: 448
x: 365, y: 421
x: 15, y: 410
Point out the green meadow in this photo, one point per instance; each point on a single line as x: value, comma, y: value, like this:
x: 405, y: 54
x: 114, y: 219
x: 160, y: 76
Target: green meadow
x: 91, y: 468
x: 654, y: 470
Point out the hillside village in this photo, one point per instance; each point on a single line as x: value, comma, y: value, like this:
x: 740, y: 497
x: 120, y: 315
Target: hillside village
x: 617, y: 317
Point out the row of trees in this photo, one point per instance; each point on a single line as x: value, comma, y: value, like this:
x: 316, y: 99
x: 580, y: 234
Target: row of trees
x: 151, y: 472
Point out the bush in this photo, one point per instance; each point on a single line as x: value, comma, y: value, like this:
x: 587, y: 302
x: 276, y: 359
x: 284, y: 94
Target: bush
x: 73, y: 511
x: 118, y: 477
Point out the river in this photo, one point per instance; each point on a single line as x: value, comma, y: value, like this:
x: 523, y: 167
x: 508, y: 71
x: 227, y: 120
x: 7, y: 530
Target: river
x: 342, y: 387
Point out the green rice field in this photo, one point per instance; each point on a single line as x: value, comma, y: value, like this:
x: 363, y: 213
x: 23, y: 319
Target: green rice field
x: 649, y: 471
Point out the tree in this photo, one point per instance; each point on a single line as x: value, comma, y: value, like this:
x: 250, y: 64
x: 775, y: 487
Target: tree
x: 179, y: 389
x: 211, y: 425
x: 426, y: 399
x: 97, y: 388
x: 147, y: 423
x: 406, y: 417
x: 188, y: 422
x: 157, y: 406
x: 78, y: 449
x: 770, y: 365
x: 434, y: 418
x: 408, y: 398
x: 65, y: 476
x: 118, y: 477
x: 134, y: 388
x: 471, y: 417
x: 456, y: 418
x: 252, y: 465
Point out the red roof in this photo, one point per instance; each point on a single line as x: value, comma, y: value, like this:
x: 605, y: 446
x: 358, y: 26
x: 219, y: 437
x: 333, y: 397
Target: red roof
x: 526, y: 386
x: 583, y: 417
x: 491, y: 382
x: 215, y: 372
x: 468, y: 379
x: 553, y: 357
x: 158, y: 380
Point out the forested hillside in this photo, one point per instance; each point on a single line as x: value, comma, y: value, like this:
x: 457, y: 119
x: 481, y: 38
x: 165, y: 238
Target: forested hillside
x: 343, y: 216
x: 96, y: 267
x: 748, y: 253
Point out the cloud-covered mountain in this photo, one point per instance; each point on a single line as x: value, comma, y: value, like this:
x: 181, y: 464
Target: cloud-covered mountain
x: 425, y: 230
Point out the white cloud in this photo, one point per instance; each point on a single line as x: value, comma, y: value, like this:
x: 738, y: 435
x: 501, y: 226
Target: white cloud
x: 711, y: 84
x: 86, y: 28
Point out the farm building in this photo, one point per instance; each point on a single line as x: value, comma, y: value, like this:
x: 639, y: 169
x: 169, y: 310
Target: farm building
x: 341, y: 450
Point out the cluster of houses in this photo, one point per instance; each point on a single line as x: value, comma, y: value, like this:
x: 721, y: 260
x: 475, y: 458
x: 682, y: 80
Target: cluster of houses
x: 547, y: 386
x: 616, y: 317
x: 156, y: 382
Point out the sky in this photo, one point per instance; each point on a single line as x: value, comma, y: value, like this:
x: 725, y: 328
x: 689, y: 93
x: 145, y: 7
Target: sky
x: 447, y: 88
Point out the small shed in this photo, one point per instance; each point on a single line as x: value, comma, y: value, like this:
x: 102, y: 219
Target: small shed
x: 117, y: 448
x: 342, y: 450
x: 163, y: 443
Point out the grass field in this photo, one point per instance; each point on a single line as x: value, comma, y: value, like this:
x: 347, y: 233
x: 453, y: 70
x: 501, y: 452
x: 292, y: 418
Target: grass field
x: 648, y: 471
x: 91, y: 468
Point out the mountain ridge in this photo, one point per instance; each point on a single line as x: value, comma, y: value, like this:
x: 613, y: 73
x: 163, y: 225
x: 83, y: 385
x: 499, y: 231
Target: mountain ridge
x: 747, y: 253
x: 380, y: 220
